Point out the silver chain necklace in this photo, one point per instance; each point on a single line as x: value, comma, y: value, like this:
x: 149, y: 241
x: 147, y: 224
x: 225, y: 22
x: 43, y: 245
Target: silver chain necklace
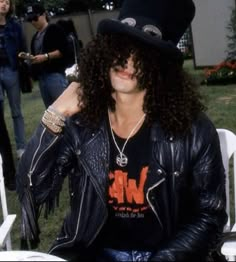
x: 121, y: 158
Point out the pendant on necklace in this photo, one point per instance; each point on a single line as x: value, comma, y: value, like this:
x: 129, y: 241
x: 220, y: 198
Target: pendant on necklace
x: 121, y: 160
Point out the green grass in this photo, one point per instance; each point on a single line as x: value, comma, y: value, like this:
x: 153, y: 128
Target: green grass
x: 221, y: 103
x: 220, y: 100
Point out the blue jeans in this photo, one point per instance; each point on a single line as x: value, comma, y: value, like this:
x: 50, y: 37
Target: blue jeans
x: 104, y: 255
x: 112, y: 255
x: 51, y: 86
x: 9, y: 84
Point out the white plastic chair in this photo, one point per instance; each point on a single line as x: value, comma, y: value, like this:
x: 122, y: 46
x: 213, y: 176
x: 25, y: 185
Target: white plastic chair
x: 228, y: 151
x: 8, y: 220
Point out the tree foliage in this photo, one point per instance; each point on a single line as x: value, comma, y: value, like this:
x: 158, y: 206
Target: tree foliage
x: 84, y: 5
x: 231, y: 52
x: 51, y: 5
x: 70, y: 6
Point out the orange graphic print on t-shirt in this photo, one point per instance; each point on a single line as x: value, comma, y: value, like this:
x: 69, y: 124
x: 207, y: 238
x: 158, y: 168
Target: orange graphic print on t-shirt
x: 125, y: 191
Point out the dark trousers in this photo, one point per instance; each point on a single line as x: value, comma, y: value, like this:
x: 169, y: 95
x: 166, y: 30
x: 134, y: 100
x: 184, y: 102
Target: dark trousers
x: 6, y: 151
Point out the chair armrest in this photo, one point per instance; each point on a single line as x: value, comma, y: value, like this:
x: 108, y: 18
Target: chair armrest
x: 5, y: 228
x: 229, y: 247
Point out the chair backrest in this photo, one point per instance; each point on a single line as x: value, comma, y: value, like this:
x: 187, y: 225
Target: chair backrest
x: 228, y: 151
x: 5, y: 227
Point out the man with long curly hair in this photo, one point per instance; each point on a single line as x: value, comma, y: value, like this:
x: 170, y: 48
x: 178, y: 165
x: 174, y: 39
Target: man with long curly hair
x: 145, y: 172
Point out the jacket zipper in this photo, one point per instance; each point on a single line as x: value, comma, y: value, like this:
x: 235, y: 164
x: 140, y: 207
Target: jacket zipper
x: 173, y: 163
x: 174, y: 175
x: 99, y: 229
x: 32, y: 167
x: 78, y: 222
x: 147, y: 196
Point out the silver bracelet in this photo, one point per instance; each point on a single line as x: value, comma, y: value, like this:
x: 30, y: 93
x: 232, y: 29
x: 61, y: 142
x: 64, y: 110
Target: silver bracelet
x: 53, y: 121
x: 52, y: 127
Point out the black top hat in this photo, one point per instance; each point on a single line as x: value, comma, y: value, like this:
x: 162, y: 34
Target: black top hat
x: 159, y: 23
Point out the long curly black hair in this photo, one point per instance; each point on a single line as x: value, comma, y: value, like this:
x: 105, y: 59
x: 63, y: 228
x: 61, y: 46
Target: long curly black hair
x: 172, y: 98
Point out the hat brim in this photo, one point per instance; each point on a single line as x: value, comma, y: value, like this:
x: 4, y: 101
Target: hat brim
x: 109, y: 26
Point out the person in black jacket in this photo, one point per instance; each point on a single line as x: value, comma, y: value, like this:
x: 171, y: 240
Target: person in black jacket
x: 48, y: 47
x: 73, y: 49
x: 73, y: 46
x: 6, y: 153
x: 145, y: 171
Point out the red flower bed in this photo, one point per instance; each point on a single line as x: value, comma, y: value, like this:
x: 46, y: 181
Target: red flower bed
x: 223, y: 73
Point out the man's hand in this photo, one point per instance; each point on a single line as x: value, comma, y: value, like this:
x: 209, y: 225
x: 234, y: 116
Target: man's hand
x: 38, y: 59
x: 25, y: 56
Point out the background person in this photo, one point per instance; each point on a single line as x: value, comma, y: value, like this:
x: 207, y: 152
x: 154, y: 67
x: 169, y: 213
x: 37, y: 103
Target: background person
x: 6, y: 153
x: 48, y: 46
x: 72, y: 39
x: 12, y: 41
x: 146, y: 177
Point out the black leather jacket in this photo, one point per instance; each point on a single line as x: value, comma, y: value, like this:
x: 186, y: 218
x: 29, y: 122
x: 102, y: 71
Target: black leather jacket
x: 187, y: 193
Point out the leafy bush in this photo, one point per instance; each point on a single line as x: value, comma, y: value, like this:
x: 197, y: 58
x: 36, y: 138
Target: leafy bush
x: 225, y: 72
x: 231, y: 53
x: 222, y: 74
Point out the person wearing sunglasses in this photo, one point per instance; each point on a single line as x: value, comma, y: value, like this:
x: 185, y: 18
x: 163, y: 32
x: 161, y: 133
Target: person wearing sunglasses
x: 34, y: 18
x: 48, y: 47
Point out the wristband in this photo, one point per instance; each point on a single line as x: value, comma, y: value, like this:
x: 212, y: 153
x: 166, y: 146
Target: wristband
x: 46, y: 55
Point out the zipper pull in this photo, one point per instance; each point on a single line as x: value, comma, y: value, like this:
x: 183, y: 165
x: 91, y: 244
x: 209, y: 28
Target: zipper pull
x: 29, y: 176
x: 176, y: 173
